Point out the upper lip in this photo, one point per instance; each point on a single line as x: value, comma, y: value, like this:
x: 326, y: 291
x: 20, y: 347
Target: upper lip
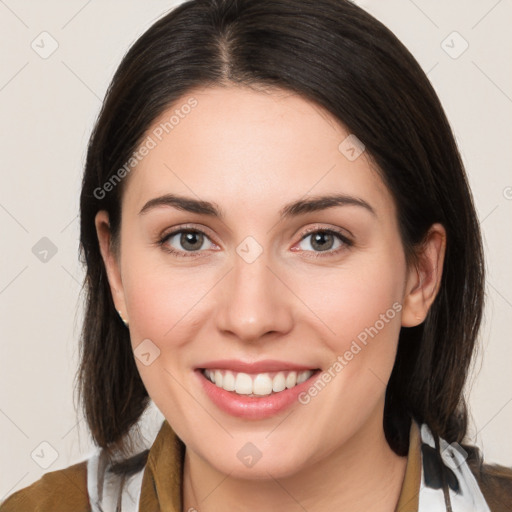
x: 266, y: 365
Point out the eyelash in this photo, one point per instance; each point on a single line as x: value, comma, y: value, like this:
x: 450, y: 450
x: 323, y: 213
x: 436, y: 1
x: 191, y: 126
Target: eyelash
x: 347, y: 243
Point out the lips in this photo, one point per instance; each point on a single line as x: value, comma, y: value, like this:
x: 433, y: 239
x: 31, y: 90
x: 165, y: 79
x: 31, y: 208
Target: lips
x: 255, y: 390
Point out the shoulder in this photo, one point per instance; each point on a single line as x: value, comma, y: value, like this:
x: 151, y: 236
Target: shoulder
x: 56, y: 491
x: 495, y: 482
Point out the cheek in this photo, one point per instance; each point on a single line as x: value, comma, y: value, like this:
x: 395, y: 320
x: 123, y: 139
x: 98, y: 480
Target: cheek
x: 162, y: 299
x: 360, y: 308
x: 167, y: 306
x: 354, y: 299
x: 166, y: 312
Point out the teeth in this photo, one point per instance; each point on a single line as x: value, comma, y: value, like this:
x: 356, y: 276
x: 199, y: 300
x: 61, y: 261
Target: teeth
x: 302, y: 376
x: 243, y: 384
x: 261, y: 384
x: 228, y: 382
x: 291, y: 380
x: 279, y: 382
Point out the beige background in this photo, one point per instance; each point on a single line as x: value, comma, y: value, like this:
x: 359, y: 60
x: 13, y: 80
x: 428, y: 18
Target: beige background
x: 47, y: 107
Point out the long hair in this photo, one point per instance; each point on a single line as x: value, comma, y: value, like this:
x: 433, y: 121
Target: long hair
x: 335, y: 54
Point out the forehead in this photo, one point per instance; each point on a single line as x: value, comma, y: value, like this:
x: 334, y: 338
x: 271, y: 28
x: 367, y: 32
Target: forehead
x: 238, y: 146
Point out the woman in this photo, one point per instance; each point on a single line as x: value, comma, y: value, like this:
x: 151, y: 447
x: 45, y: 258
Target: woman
x: 282, y: 253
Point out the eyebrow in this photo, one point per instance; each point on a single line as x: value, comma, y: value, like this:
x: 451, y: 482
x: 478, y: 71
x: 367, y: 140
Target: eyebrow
x: 294, y: 209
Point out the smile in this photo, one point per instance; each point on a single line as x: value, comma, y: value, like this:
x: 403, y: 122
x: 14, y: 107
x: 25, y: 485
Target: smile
x: 260, y: 384
x: 254, y: 391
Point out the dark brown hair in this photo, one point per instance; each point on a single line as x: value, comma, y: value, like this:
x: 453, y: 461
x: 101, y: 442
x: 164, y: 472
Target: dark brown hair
x: 337, y: 55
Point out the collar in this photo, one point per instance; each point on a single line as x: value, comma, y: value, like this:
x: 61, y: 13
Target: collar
x: 409, y: 495
x: 162, y: 481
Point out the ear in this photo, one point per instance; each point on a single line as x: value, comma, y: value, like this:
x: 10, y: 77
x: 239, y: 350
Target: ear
x: 424, y: 278
x: 111, y: 261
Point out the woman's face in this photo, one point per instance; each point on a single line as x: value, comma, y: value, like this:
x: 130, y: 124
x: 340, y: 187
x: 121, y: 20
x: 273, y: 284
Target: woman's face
x: 264, y: 284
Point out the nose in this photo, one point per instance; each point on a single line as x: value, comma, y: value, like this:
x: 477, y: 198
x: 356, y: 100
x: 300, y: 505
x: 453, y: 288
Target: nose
x: 254, y: 302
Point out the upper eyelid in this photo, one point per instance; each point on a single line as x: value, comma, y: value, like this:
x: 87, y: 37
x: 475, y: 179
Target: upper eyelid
x: 337, y: 231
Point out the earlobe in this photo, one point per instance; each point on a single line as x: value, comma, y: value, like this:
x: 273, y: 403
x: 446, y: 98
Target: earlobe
x: 424, y: 279
x: 110, y: 260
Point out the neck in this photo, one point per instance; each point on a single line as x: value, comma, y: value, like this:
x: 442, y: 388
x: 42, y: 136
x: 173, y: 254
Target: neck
x: 362, y: 475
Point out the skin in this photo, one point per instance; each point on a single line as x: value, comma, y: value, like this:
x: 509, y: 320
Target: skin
x: 251, y: 152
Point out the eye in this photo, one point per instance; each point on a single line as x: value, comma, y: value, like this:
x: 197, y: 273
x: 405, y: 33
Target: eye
x: 185, y: 241
x: 188, y: 242
x: 328, y: 241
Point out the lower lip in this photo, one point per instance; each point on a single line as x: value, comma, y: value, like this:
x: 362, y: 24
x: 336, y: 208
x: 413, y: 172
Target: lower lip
x: 250, y: 407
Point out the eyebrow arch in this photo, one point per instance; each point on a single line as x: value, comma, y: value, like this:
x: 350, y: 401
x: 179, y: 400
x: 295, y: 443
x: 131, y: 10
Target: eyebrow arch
x: 294, y: 209
x: 187, y: 204
x: 317, y: 203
